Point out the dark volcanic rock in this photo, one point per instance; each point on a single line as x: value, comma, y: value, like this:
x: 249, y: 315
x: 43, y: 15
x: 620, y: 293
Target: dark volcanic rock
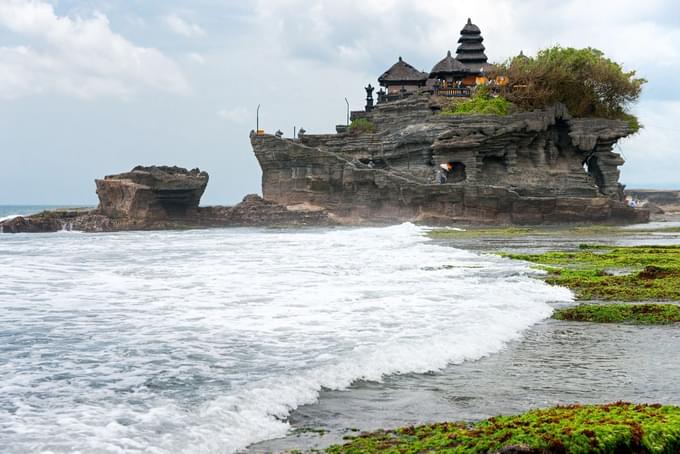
x: 32, y: 224
x: 255, y: 211
x: 525, y: 168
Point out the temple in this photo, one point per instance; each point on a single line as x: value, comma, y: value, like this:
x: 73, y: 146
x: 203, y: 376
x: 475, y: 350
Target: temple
x: 406, y: 159
x: 450, y: 77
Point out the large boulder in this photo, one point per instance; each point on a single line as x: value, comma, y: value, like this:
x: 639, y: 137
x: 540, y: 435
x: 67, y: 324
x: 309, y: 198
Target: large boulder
x: 152, y: 193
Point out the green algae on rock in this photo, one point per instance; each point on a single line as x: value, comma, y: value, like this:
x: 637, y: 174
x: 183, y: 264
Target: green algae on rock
x: 634, y: 314
x: 620, y: 273
x: 611, y: 428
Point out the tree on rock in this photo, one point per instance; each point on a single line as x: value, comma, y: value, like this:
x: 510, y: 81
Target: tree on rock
x: 584, y: 80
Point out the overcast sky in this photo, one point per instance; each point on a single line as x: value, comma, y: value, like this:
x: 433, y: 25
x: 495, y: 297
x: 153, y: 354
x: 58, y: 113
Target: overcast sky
x: 95, y: 87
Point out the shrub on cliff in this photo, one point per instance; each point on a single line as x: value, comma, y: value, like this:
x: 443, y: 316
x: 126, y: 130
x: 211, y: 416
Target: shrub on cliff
x: 587, y: 82
x: 481, y: 103
x: 360, y: 125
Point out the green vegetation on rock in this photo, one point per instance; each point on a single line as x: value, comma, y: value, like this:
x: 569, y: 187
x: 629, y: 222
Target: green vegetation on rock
x: 584, y: 80
x: 612, y: 428
x: 479, y: 232
x: 481, y: 103
x: 635, y: 273
x: 360, y: 125
x: 634, y: 314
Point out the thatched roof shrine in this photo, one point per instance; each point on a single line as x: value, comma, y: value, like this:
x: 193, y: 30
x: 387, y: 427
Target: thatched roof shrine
x: 403, y: 73
x: 448, y: 66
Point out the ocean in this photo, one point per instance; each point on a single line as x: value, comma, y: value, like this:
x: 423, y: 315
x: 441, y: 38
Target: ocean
x: 11, y: 211
x: 205, y: 341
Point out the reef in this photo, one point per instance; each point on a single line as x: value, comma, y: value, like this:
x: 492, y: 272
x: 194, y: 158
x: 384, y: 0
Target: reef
x: 614, y: 273
x: 537, y: 167
x: 616, y: 428
x: 162, y: 198
x: 629, y: 314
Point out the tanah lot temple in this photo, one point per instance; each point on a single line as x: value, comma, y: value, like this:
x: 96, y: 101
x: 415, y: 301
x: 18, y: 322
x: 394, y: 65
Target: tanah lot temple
x: 404, y: 159
x: 451, y: 77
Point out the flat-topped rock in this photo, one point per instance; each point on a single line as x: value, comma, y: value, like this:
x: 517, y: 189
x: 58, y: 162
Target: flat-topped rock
x: 152, y: 193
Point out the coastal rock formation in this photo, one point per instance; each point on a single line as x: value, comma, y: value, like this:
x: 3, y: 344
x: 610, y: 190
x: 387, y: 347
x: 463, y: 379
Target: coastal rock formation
x: 658, y: 201
x: 151, y: 193
x: 253, y: 211
x: 524, y: 168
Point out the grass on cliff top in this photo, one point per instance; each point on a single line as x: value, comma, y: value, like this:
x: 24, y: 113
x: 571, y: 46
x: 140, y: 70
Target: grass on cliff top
x: 633, y: 314
x: 481, y: 103
x: 612, y: 428
x: 361, y: 125
x: 632, y: 273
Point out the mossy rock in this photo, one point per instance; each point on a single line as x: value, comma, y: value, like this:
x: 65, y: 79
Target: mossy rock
x: 619, y: 428
x: 646, y: 273
x: 632, y: 314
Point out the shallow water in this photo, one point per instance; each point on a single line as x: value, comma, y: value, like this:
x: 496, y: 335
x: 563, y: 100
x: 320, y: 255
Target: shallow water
x: 204, y: 341
x: 554, y: 363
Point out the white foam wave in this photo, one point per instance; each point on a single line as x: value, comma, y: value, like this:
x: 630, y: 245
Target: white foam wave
x: 205, y: 341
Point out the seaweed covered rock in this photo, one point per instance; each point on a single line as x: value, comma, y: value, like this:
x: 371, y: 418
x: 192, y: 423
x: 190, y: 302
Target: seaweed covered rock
x: 617, y: 428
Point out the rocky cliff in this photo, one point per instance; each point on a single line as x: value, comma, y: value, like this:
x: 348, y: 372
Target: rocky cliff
x: 526, y: 168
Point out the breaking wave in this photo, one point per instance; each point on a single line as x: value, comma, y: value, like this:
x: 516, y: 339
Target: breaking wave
x: 204, y: 341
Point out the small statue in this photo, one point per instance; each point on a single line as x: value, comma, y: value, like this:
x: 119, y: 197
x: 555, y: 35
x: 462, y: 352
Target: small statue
x: 382, y: 95
x: 252, y: 133
x: 301, y: 132
x: 369, y: 97
x: 279, y: 133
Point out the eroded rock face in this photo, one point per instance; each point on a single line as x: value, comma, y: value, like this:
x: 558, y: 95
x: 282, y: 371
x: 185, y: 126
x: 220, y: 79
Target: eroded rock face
x: 152, y: 193
x: 529, y: 168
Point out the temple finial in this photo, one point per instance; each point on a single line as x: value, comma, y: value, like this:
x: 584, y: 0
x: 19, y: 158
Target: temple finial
x: 448, y: 54
x: 469, y: 21
x: 400, y: 58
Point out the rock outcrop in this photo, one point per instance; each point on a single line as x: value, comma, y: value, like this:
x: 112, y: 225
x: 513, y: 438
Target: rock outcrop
x: 162, y: 198
x: 155, y: 193
x: 658, y: 201
x: 525, y: 168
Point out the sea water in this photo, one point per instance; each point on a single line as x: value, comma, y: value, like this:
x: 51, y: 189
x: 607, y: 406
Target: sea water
x: 204, y: 341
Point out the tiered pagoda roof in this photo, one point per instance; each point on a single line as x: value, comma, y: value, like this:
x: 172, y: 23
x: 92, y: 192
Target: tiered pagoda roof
x: 471, y: 50
x: 402, y: 72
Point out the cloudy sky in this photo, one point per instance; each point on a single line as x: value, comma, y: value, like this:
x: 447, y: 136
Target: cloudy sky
x: 95, y: 87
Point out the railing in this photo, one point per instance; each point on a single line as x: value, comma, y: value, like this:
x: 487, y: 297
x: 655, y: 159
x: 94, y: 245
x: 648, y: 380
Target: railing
x: 456, y: 92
